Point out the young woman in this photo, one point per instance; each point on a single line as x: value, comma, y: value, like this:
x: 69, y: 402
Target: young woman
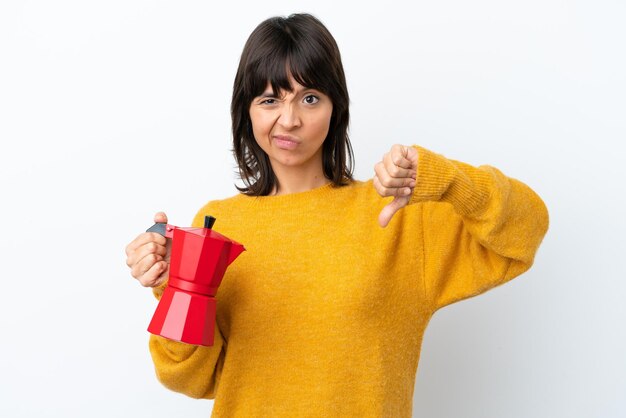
x: 324, y: 314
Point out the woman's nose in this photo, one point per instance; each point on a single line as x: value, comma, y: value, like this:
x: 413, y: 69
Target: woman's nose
x: 289, y: 117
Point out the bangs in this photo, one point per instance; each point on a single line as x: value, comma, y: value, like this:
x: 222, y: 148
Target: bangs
x: 304, y: 63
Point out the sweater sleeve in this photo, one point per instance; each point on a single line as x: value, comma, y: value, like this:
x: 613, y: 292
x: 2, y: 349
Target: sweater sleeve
x: 189, y: 369
x: 480, y: 227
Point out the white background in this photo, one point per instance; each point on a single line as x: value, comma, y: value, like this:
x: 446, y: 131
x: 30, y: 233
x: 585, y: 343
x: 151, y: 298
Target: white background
x: 111, y: 111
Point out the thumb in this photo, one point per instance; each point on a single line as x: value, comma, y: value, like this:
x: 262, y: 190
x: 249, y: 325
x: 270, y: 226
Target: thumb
x: 160, y: 217
x: 388, y: 211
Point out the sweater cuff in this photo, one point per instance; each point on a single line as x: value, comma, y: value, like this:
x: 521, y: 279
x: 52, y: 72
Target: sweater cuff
x: 454, y: 182
x: 158, y: 290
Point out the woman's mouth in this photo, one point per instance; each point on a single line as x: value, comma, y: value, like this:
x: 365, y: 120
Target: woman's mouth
x: 285, y: 142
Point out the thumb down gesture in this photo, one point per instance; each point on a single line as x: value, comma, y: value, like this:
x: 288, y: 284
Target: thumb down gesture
x: 396, y: 176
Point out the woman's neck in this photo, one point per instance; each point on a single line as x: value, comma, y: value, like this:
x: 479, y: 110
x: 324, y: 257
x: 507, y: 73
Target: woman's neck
x: 295, y: 181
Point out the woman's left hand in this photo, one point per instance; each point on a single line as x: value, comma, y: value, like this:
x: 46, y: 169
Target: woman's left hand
x: 395, y: 176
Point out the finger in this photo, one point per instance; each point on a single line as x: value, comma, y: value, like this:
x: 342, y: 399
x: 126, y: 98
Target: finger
x: 162, y: 277
x: 392, y: 182
x: 379, y: 187
x: 142, y: 266
x: 160, y: 217
x: 395, y: 170
x: 385, y: 191
x: 155, y: 275
x: 144, y: 238
x: 388, y: 211
x: 403, y: 156
x: 150, y: 247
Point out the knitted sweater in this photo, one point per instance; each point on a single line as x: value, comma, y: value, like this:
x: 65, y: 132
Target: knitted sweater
x: 324, y: 314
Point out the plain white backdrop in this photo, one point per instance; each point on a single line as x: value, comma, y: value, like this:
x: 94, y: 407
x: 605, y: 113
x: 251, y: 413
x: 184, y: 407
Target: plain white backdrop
x: 111, y: 111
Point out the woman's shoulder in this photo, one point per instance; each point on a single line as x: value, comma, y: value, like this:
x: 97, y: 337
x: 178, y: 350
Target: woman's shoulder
x: 217, y: 208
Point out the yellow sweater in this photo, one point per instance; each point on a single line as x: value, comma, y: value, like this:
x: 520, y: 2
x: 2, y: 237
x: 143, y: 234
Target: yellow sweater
x: 323, y: 315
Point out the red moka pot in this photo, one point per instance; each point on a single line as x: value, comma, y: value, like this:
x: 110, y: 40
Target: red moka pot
x: 199, y: 257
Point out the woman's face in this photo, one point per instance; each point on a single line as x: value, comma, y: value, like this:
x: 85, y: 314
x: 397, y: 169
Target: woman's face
x: 292, y: 128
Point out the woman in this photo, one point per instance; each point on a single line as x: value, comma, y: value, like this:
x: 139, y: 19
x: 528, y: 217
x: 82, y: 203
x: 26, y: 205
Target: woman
x: 324, y: 314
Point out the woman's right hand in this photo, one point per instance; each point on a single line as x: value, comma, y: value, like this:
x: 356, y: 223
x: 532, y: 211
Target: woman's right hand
x: 148, y: 256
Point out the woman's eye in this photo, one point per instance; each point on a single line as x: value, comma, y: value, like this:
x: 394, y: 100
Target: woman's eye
x: 268, y: 101
x: 311, y: 99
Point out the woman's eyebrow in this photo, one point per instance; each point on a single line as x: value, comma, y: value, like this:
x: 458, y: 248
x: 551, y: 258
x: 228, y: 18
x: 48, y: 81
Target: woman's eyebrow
x: 270, y: 93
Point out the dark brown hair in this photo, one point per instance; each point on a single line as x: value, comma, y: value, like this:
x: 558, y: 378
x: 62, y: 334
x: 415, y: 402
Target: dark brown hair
x: 300, y: 46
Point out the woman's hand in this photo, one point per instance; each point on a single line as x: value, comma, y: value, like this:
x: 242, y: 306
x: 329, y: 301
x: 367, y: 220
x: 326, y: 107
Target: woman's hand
x: 395, y: 176
x: 148, y: 256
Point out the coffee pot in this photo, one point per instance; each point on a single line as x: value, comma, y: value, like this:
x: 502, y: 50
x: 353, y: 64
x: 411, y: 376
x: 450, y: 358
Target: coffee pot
x: 198, y: 261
